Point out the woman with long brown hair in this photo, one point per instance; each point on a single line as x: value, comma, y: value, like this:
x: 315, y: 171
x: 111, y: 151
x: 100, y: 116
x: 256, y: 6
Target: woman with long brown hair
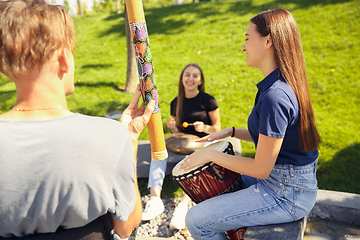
x: 279, y: 183
x: 192, y: 105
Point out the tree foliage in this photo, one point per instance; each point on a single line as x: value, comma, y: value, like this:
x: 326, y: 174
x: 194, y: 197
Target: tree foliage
x: 66, y: 5
x: 103, y: 6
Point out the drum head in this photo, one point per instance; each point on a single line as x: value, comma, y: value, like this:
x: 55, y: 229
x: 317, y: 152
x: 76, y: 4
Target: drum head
x: 219, y: 146
x: 182, y: 143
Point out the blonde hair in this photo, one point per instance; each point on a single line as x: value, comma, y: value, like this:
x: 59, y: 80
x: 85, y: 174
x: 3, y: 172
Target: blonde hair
x: 30, y: 32
x: 281, y: 26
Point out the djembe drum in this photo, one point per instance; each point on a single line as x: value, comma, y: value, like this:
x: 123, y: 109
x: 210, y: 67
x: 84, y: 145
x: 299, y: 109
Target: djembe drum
x: 210, y: 180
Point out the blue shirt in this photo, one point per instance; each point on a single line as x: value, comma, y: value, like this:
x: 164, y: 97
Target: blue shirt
x: 276, y: 114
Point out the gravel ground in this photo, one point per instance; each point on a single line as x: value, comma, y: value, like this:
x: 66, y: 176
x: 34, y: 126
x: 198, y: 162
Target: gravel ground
x: 159, y: 226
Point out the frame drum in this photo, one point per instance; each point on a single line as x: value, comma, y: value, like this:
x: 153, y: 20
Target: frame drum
x: 182, y: 143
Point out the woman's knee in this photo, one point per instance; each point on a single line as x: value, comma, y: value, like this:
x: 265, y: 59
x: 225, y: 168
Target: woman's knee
x: 191, y: 220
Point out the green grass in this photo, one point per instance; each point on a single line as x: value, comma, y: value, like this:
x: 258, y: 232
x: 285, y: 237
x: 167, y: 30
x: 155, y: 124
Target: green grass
x: 212, y: 35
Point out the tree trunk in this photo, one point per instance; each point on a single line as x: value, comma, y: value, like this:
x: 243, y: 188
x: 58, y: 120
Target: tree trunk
x: 81, y: 12
x: 132, y: 74
x: 118, y: 7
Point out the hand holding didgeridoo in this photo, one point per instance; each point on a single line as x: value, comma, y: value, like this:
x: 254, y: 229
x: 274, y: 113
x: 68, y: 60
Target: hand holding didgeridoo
x: 148, y: 87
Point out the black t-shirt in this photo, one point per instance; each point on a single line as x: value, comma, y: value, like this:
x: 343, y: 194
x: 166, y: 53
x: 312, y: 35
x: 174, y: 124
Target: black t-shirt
x: 195, y: 109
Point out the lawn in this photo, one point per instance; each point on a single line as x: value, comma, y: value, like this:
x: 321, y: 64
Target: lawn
x: 212, y: 35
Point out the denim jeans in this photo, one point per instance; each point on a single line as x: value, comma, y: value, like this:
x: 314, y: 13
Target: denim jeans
x: 287, y: 195
x: 157, y: 173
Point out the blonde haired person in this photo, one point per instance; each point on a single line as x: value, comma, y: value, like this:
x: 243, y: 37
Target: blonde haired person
x: 62, y: 175
x: 279, y: 183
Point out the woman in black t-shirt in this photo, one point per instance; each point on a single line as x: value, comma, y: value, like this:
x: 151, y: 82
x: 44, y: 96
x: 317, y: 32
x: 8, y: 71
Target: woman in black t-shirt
x: 192, y: 105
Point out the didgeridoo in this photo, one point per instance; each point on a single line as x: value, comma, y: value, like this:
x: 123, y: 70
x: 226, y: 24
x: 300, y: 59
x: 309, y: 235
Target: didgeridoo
x: 147, y: 81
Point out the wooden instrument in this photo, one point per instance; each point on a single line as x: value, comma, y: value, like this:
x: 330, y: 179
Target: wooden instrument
x: 148, y: 87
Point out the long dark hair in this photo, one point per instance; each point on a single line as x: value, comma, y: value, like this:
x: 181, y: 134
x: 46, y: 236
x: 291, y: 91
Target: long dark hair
x: 281, y: 26
x: 181, y: 93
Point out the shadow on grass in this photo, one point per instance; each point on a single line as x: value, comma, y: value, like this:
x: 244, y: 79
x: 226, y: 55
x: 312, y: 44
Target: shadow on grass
x: 96, y: 66
x: 341, y: 173
x: 158, y: 24
x: 98, y: 84
x: 101, y: 109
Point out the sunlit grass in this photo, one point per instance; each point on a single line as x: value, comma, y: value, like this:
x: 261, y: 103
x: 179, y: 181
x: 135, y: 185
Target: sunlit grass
x: 212, y: 35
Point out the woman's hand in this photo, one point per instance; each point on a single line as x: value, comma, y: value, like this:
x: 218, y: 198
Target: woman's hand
x: 136, y: 118
x: 199, y: 126
x: 170, y: 123
x: 198, y: 158
x: 215, y: 136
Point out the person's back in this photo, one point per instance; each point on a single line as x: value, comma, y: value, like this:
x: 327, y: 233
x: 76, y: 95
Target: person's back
x: 63, y: 172
x: 60, y: 170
